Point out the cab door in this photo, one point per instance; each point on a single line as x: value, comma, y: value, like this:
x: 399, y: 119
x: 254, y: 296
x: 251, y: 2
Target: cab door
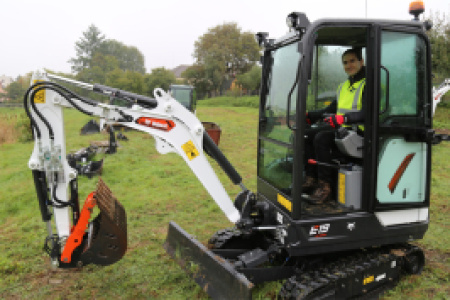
x: 404, y: 119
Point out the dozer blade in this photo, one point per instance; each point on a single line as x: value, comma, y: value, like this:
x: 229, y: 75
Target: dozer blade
x: 108, y: 231
x: 215, y: 275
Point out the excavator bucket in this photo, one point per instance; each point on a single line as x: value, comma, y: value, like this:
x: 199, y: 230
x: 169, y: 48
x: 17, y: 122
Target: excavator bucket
x: 108, y: 231
x: 90, y: 128
x: 215, y: 275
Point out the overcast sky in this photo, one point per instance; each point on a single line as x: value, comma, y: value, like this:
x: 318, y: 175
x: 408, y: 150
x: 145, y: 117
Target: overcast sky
x: 40, y: 34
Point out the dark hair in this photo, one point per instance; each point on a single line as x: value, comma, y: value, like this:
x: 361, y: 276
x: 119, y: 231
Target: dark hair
x: 356, y: 51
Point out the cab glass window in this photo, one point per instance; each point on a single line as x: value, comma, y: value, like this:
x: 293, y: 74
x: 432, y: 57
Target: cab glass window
x: 280, y: 83
x: 275, y: 155
x: 403, y: 81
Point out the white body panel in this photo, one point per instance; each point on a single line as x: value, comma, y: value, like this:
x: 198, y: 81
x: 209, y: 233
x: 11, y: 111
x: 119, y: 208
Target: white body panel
x: 405, y: 216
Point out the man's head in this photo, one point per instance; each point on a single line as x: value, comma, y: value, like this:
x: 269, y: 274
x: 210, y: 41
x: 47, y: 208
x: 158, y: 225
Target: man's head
x: 352, y: 61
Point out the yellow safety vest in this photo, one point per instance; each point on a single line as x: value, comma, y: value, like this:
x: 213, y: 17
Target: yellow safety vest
x: 349, y: 98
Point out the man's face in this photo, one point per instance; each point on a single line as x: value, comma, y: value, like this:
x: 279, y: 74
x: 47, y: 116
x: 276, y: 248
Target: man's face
x: 351, y: 64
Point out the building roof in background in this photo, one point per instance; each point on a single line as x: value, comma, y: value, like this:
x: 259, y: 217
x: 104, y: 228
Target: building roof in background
x: 180, y: 69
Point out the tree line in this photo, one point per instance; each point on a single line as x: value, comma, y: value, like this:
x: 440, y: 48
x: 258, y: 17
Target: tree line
x: 439, y: 37
x: 224, y: 54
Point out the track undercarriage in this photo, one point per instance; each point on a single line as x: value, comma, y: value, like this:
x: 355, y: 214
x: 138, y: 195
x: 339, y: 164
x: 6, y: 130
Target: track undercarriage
x: 236, y: 262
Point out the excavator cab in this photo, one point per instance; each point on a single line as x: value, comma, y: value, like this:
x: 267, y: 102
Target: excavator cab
x: 376, y: 173
x: 185, y: 95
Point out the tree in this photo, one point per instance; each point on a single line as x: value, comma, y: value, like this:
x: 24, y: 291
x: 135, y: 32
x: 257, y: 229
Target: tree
x: 94, y: 50
x: 439, y: 37
x: 159, y: 78
x: 225, y: 51
x: 126, y: 80
x: 196, y: 76
x: 251, y: 79
x: 85, y: 48
x: 106, y: 63
x: 16, y: 89
x: 92, y: 75
x: 101, y: 65
x: 128, y: 57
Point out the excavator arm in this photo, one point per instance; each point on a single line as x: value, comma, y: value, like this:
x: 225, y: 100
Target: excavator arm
x: 440, y: 91
x: 78, y: 241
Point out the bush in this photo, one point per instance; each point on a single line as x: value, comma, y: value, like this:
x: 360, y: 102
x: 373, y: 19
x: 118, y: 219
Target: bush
x: 23, y: 128
x: 14, y: 127
x: 7, y: 132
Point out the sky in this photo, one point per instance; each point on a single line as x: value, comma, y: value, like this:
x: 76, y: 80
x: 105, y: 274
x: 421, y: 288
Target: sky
x: 42, y: 34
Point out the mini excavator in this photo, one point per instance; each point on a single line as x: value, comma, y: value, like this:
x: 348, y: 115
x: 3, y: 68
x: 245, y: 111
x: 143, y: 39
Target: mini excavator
x: 355, y: 246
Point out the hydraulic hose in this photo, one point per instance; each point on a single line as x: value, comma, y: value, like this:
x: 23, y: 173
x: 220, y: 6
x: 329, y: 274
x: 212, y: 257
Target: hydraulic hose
x: 43, y: 119
x: 57, y: 88
x: 27, y: 111
x: 212, y: 150
x: 65, y: 97
x: 61, y: 203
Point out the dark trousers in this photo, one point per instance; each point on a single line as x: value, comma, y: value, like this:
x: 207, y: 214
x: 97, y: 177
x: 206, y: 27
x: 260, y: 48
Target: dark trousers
x: 320, y: 145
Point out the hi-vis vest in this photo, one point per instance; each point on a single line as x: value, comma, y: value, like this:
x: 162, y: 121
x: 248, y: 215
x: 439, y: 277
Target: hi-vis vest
x: 349, y: 98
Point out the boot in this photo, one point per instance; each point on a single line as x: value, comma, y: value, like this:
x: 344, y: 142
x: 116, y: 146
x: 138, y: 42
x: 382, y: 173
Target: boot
x: 321, y: 194
x: 309, y: 185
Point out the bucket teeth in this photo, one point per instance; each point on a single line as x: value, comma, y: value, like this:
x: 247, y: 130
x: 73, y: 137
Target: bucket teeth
x: 108, y: 241
x: 109, y: 205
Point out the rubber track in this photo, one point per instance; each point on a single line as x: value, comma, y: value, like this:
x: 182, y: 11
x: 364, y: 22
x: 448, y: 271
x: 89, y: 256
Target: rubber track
x: 221, y: 237
x: 321, y: 282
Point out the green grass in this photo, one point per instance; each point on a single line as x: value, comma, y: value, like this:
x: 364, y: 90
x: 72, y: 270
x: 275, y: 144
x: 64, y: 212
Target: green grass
x: 227, y: 101
x: 442, y: 117
x: 156, y: 189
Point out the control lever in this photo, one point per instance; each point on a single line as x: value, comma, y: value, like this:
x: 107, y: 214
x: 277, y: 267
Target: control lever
x: 336, y: 166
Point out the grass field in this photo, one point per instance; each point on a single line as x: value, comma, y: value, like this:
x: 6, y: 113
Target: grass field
x: 156, y: 189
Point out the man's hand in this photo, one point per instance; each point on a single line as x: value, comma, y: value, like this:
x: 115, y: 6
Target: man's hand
x: 335, y: 121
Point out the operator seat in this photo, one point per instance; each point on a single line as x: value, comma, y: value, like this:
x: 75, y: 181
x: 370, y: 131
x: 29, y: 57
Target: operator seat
x: 349, y: 143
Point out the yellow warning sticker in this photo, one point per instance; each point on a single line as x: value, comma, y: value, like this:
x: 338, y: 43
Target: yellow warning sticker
x: 342, y: 188
x: 285, y: 202
x: 190, y: 150
x: 369, y: 279
x: 39, y: 97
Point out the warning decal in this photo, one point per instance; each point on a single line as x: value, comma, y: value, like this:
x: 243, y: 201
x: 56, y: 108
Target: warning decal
x: 342, y: 188
x: 285, y: 202
x: 190, y: 150
x: 39, y: 97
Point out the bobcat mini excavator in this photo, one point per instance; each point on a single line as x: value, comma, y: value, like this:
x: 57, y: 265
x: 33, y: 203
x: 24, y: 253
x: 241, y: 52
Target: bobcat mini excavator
x: 355, y: 246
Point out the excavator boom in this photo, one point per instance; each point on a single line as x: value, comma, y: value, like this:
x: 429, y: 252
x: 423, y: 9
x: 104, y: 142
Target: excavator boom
x: 174, y: 128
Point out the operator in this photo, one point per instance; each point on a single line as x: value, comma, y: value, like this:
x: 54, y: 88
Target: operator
x: 346, y: 110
